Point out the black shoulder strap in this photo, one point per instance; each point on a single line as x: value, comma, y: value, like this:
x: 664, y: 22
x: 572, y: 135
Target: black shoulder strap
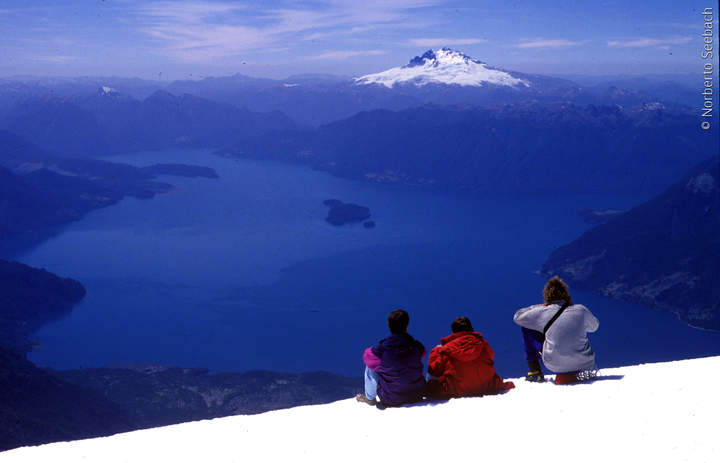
x: 555, y: 317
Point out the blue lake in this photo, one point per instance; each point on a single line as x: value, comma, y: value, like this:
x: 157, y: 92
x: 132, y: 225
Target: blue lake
x: 242, y: 273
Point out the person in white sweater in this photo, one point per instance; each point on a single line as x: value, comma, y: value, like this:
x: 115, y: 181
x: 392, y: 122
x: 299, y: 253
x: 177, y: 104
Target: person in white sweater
x: 556, y: 332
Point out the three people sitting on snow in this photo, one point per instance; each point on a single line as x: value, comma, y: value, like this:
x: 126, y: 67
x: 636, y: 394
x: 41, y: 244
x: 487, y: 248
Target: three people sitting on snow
x: 463, y: 364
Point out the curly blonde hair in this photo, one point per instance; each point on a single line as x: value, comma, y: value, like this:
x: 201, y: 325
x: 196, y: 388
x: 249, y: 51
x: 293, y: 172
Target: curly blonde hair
x: 556, y: 290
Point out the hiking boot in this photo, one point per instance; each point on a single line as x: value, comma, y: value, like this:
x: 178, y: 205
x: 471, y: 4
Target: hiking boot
x: 535, y: 374
x: 535, y: 377
x: 587, y: 375
x: 363, y: 398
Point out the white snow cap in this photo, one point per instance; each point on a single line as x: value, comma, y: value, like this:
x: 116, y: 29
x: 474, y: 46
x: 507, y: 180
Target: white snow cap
x: 443, y: 66
x: 106, y: 89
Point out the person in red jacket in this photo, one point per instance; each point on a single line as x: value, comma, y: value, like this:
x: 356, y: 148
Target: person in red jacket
x: 463, y: 365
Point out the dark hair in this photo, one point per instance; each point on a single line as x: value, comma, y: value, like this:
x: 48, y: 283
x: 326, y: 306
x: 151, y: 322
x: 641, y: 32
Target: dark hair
x: 556, y: 290
x: 461, y: 324
x: 398, y: 321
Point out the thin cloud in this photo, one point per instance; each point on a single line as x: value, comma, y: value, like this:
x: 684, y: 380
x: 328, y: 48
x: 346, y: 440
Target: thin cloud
x: 358, y: 29
x: 60, y: 59
x: 345, y: 54
x: 187, y: 12
x: 648, y: 42
x: 550, y: 43
x: 436, y: 42
x: 196, y: 31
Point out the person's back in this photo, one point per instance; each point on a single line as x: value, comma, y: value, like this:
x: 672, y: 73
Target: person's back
x: 566, y: 347
x: 401, y: 369
x: 394, y: 368
x: 556, y: 332
x: 463, y: 365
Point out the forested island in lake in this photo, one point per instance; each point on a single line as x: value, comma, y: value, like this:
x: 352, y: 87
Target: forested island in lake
x: 341, y: 213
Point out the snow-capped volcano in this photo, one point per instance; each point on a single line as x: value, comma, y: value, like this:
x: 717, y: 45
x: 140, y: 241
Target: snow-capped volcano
x: 443, y: 66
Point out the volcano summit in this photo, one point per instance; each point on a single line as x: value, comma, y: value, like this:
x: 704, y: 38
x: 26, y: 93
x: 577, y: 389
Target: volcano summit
x: 443, y: 66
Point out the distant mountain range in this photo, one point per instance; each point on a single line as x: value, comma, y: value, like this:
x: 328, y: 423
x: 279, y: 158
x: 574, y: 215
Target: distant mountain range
x: 109, y: 122
x: 442, y: 76
x: 664, y: 253
x: 509, y: 148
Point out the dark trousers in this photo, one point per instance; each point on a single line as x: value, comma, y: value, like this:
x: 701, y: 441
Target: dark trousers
x: 533, y: 342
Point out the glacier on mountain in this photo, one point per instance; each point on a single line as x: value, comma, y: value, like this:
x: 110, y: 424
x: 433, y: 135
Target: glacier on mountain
x: 443, y: 66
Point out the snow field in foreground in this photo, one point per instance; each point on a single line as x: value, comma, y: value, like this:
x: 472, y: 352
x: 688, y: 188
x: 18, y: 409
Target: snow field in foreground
x: 663, y: 412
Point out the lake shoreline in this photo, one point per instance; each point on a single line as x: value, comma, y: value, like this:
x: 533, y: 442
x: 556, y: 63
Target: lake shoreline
x: 220, y: 259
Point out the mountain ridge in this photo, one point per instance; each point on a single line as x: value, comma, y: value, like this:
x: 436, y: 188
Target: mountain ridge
x: 664, y: 253
x: 511, y: 148
x: 316, y: 99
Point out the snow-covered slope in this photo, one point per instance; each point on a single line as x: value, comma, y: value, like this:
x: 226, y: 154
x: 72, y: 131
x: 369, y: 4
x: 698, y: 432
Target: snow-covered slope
x: 663, y: 412
x: 444, y: 66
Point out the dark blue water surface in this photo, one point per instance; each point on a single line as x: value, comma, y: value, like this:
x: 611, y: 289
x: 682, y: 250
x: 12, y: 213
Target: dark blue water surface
x: 242, y: 272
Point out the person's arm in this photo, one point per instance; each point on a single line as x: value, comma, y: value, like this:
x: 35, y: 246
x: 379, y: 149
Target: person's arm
x: 488, y: 354
x: 529, y: 317
x: 591, y: 322
x: 422, y: 349
x: 436, y: 362
x: 371, y: 360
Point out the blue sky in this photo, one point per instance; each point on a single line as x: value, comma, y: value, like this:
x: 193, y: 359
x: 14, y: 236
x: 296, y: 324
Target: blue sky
x: 276, y: 38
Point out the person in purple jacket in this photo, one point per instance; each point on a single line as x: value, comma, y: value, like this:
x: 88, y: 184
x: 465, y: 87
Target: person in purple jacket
x: 393, y: 367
